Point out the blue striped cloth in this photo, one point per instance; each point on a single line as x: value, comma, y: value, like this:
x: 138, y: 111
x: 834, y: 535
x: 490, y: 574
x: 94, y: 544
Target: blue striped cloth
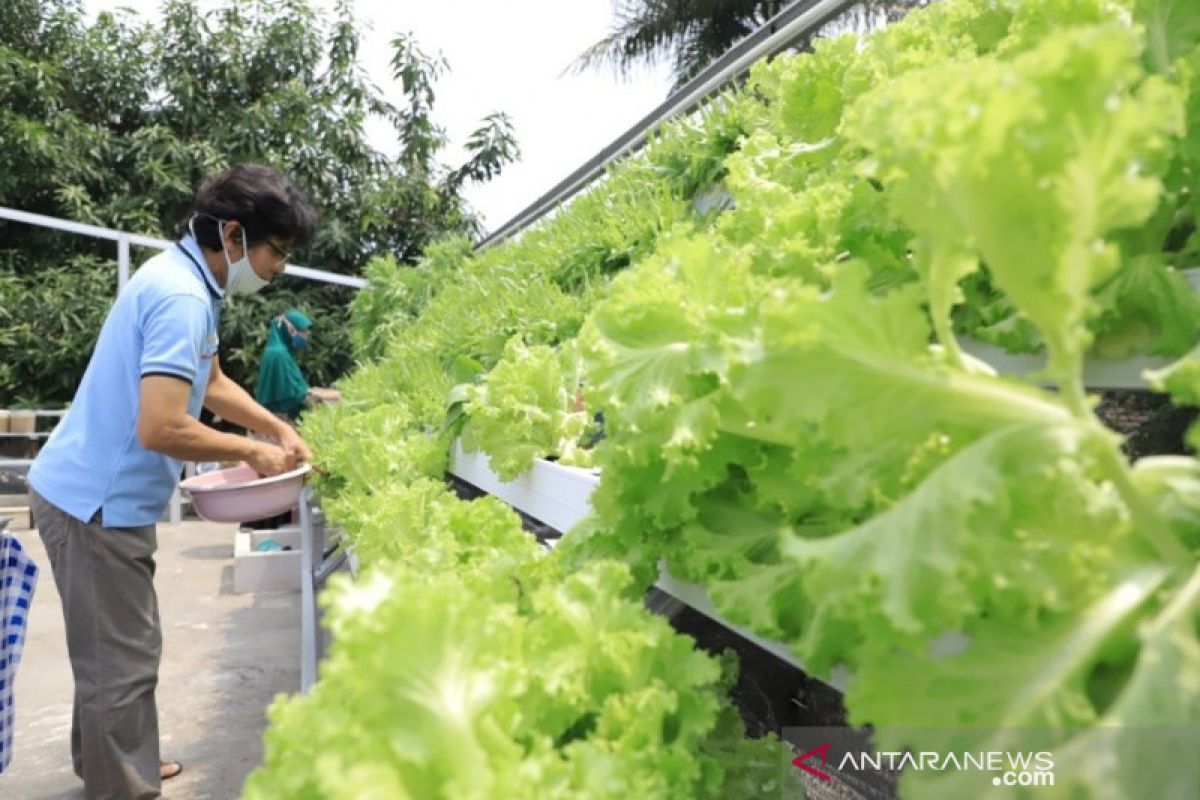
x: 18, y: 577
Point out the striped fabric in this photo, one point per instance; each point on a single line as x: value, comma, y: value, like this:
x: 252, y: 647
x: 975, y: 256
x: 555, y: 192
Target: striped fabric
x: 18, y: 577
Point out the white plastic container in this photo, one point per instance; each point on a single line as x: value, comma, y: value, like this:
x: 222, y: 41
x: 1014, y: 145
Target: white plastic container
x: 269, y: 570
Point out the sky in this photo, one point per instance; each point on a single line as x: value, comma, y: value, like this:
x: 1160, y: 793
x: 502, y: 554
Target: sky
x: 503, y: 57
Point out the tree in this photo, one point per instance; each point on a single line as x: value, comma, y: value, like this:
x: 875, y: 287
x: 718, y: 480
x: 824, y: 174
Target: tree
x: 116, y: 122
x: 694, y: 33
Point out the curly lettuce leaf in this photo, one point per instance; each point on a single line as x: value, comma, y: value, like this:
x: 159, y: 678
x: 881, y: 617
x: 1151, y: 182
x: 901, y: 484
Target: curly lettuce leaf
x: 443, y: 686
x: 1015, y: 690
x: 1006, y: 527
x: 1027, y: 164
x: 1147, y: 743
x: 1172, y: 30
x: 525, y: 409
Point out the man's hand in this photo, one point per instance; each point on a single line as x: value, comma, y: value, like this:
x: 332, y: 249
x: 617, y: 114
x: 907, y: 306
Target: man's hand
x: 268, y: 459
x: 294, y: 446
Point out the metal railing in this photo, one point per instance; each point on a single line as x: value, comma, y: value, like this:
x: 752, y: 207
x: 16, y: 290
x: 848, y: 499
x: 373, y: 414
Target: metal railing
x: 124, y: 240
x: 790, y: 25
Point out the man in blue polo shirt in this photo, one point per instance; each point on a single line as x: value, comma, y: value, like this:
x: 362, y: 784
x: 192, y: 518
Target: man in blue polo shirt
x: 106, y: 474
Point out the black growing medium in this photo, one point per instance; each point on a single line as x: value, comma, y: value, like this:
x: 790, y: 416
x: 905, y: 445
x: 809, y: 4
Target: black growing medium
x: 1150, y: 423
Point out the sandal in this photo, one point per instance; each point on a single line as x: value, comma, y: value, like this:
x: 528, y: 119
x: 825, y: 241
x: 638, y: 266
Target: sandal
x: 169, y: 769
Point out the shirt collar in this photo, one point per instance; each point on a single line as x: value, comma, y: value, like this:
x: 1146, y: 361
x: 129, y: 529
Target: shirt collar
x: 191, y: 248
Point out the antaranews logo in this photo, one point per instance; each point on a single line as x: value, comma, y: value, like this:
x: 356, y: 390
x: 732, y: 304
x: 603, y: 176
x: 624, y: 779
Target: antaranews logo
x: 1009, y: 768
x: 1012, y: 769
x: 1156, y: 762
x: 848, y: 756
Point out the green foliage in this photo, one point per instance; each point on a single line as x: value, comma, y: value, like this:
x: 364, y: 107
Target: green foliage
x: 543, y: 686
x: 952, y: 160
x: 689, y: 155
x: 780, y: 430
x: 526, y: 409
x: 420, y: 524
x: 644, y: 718
x: 399, y: 294
x: 72, y: 299
x: 116, y: 122
x: 368, y: 448
x: 789, y: 418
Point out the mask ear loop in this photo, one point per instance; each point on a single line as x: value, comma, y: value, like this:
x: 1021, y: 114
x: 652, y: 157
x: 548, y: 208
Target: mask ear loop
x: 220, y: 233
x: 287, y: 323
x: 241, y: 229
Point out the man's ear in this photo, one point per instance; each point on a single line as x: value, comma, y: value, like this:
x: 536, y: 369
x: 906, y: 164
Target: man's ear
x: 230, y: 232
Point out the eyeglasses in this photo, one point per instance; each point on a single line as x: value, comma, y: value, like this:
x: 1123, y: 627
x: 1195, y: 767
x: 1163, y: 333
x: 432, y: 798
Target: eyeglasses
x: 283, y: 254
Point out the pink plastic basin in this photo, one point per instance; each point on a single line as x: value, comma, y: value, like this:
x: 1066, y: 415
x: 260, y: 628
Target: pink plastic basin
x: 237, y: 494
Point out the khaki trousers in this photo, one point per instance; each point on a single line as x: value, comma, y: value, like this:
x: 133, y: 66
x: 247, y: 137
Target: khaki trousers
x: 105, y: 577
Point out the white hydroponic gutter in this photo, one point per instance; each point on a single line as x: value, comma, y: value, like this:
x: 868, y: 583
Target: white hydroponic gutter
x: 561, y: 496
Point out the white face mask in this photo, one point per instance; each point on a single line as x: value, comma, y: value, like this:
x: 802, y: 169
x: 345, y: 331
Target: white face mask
x: 241, y: 277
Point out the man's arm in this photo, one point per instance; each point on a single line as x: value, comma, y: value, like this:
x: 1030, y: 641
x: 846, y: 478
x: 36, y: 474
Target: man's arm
x: 229, y: 401
x: 165, y: 426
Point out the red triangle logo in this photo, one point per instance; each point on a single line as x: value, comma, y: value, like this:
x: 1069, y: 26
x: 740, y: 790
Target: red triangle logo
x: 822, y: 751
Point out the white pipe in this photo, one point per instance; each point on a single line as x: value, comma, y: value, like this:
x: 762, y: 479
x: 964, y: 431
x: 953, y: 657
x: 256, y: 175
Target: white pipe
x: 60, y: 224
x: 327, y: 277
x: 122, y: 262
x: 124, y: 239
x: 308, y: 596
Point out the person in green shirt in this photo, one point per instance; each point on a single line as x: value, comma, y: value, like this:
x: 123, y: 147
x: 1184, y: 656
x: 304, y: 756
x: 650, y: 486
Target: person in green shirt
x: 282, y: 387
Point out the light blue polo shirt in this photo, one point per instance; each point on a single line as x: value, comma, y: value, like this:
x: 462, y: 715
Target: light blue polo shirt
x: 164, y: 322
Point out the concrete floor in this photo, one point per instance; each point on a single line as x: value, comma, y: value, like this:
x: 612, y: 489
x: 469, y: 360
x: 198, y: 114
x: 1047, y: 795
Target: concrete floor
x: 225, y: 657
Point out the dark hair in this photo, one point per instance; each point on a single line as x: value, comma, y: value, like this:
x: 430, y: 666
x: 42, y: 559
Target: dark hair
x: 262, y: 199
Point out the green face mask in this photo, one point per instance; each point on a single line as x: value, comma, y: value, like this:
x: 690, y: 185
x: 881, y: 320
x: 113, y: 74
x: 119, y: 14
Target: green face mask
x: 297, y: 337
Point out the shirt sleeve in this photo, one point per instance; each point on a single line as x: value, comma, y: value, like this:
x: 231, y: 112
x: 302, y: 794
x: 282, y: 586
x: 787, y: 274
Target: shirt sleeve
x: 174, y: 334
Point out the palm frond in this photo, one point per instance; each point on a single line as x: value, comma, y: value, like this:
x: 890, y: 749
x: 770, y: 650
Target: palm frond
x: 691, y: 34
